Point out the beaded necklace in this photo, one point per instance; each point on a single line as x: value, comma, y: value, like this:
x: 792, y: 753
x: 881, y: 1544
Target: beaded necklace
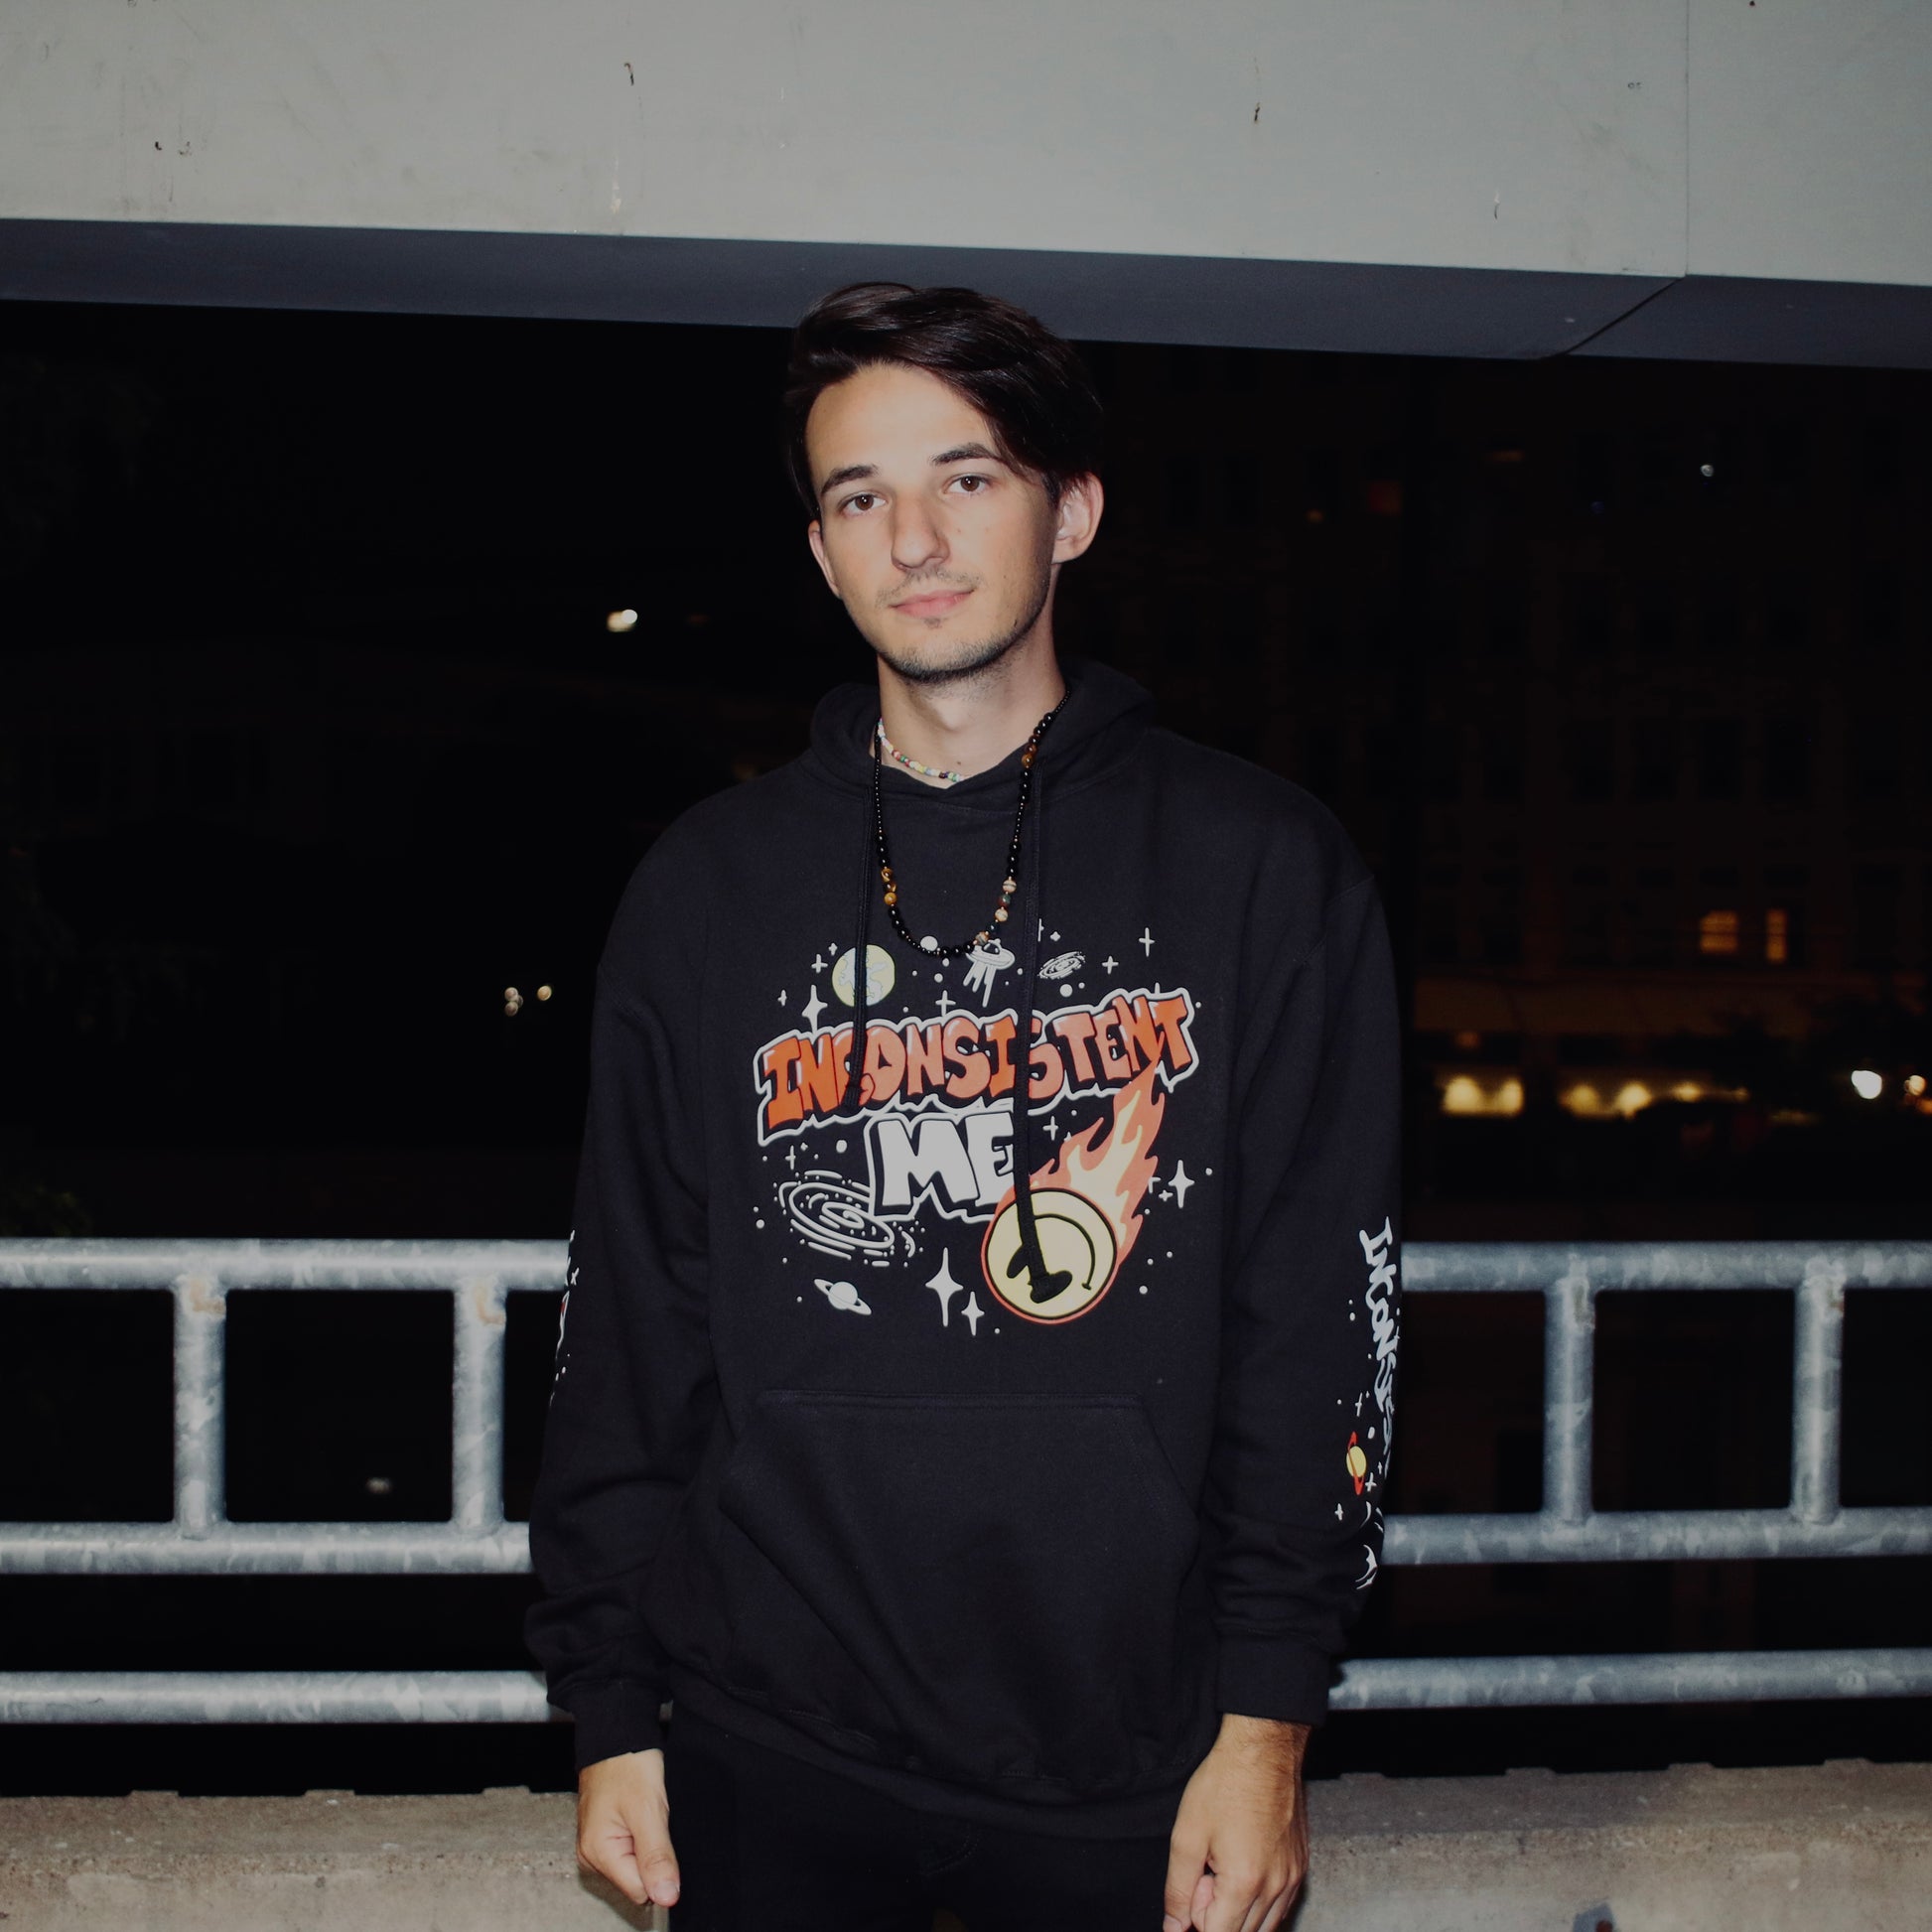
x: 912, y: 764
x: 1008, y: 885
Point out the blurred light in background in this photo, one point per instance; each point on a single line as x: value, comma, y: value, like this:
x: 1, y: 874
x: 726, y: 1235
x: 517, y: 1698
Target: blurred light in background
x: 1717, y: 933
x: 1464, y: 1095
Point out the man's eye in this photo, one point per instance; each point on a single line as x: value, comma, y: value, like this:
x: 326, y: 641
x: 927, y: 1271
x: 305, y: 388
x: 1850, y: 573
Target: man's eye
x: 859, y: 502
x: 979, y: 480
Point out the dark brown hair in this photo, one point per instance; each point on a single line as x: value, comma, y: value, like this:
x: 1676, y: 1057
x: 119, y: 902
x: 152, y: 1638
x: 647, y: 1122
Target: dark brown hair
x: 1030, y: 385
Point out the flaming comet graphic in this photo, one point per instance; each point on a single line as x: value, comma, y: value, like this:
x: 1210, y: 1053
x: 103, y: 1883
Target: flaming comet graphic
x: 1086, y: 1202
x: 1113, y: 1170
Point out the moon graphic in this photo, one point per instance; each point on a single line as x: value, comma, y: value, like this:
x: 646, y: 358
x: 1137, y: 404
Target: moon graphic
x: 879, y: 974
x: 1073, y: 1235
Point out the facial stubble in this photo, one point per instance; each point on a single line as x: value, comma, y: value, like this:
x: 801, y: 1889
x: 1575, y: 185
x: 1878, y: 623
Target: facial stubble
x: 976, y: 659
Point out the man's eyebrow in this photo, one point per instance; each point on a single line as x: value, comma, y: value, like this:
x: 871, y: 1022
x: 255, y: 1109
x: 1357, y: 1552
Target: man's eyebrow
x: 968, y: 453
x: 851, y: 472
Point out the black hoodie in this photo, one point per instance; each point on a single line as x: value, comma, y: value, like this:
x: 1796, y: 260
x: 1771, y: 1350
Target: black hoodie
x: 827, y: 1460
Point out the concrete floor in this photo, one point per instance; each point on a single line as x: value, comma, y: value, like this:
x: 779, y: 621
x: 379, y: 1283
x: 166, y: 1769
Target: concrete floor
x: 1810, y: 1849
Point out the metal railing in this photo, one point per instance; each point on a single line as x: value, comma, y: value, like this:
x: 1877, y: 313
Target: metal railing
x: 477, y: 1540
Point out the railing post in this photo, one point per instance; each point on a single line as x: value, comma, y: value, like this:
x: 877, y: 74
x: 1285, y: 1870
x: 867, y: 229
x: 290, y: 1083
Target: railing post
x: 476, y: 1447
x: 1817, y: 1362
x: 201, y: 1407
x: 1569, y: 1354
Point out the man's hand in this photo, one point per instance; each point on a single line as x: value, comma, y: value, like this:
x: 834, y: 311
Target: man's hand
x: 1240, y: 1846
x: 623, y: 1826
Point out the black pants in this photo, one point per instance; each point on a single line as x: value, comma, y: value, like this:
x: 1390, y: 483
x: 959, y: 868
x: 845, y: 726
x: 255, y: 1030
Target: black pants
x: 766, y: 1843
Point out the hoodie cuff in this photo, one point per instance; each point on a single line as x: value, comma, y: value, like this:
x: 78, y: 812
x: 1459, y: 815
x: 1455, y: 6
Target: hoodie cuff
x: 616, y: 1717
x: 1257, y: 1677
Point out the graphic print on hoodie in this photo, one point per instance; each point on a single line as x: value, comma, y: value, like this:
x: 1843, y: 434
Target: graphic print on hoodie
x: 843, y: 1455
x: 930, y: 1140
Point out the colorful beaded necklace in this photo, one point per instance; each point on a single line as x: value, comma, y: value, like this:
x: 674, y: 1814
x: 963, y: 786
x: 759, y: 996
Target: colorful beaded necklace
x: 912, y: 764
x: 1008, y: 885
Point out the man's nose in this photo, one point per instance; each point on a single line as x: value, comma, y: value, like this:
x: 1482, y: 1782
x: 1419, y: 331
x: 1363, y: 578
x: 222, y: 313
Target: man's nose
x: 918, y: 540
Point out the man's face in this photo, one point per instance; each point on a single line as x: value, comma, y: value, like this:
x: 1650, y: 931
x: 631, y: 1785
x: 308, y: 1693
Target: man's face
x: 943, y: 553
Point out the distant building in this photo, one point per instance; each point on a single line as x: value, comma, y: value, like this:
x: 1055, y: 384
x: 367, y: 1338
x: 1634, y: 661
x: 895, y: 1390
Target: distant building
x: 1651, y: 705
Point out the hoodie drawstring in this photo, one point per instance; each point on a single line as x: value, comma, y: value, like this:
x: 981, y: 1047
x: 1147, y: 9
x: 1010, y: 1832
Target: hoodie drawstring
x: 1045, y: 1286
x: 861, y: 983
x: 1031, y: 1253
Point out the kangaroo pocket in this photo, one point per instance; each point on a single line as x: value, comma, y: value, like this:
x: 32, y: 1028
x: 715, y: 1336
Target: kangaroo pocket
x: 981, y: 1587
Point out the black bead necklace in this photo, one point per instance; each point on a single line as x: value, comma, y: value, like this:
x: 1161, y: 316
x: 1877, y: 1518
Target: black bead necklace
x: 1008, y: 885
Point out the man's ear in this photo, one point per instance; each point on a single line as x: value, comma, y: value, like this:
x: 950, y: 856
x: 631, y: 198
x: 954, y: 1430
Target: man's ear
x: 1079, y: 517
x: 816, y: 538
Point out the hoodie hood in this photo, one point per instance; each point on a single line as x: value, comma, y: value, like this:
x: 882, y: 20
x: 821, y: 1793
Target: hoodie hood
x: 1094, y: 727
x: 1099, y: 724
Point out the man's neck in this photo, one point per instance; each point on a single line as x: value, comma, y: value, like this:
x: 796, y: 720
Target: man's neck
x: 969, y: 727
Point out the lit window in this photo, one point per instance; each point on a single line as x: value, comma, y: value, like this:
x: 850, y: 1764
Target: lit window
x: 1717, y: 933
x: 1777, y: 935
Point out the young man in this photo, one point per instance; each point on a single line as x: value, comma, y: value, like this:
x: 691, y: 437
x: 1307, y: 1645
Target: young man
x: 987, y: 1473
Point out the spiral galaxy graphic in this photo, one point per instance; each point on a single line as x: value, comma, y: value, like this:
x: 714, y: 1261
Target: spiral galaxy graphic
x: 835, y: 1217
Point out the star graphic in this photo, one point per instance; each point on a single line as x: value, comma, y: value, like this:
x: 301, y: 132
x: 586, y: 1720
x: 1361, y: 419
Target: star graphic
x: 972, y: 1311
x: 1358, y: 1404
x: 1108, y: 964
x: 1337, y: 1512
x: 944, y: 1286
x: 781, y: 996
x: 1147, y: 938
x: 812, y: 1009
x: 791, y: 1160
x: 1180, y: 1183
x: 1053, y: 1129
x: 818, y: 964
x: 946, y: 1002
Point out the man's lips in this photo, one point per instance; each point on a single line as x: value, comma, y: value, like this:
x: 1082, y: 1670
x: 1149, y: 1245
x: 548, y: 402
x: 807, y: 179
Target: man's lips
x: 934, y: 606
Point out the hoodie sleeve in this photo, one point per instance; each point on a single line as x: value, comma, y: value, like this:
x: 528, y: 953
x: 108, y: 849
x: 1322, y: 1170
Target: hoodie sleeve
x: 634, y: 1387
x: 1310, y: 1313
